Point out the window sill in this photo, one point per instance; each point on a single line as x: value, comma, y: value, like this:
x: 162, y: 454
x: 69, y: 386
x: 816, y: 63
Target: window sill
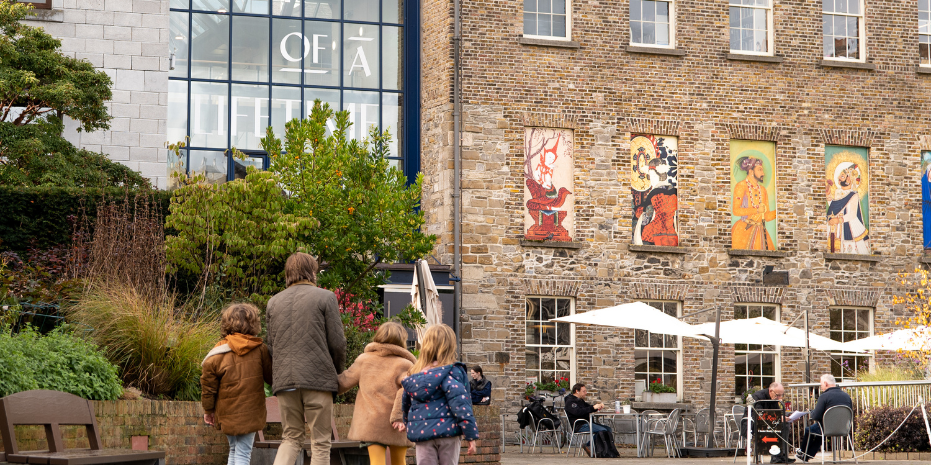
x: 552, y: 244
x: 759, y: 58
x: 853, y: 257
x: 656, y: 51
x: 548, y: 42
x: 46, y: 15
x: 657, y: 249
x: 758, y: 253
x: 847, y: 64
x: 923, y: 69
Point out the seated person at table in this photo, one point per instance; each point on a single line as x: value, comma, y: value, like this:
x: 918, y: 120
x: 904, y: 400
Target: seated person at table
x: 481, y: 387
x: 766, y: 399
x: 578, y: 409
x: 831, y: 395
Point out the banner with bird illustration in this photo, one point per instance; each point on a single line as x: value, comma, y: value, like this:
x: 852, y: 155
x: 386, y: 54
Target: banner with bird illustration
x: 548, y: 185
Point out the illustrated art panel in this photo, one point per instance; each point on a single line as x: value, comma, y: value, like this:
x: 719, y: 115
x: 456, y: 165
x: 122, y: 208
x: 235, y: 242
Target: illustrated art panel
x: 654, y: 190
x: 549, y: 176
x: 847, y: 182
x: 753, y: 195
x: 926, y: 197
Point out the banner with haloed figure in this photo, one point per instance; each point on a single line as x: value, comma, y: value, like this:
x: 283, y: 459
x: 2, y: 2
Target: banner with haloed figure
x: 654, y: 190
x: 847, y: 187
x: 753, y: 195
x: 548, y: 180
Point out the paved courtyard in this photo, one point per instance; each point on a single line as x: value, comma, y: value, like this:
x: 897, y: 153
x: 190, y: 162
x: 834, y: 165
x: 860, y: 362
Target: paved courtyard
x: 516, y: 458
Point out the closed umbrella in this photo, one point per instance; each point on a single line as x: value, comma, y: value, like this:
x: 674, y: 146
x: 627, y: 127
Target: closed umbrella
x: 635, y: 315
x: 425, y: 297
x: 764, y: 331
x: 917, y: 338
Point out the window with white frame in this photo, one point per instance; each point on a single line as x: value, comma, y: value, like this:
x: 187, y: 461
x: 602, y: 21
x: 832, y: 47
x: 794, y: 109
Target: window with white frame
x: 751, y: 26
x: 659, y: 356
x: 844, y: 36
x: 549, y: 353
x: 924, y: 32
x: 651, y: 23
x: 849, y: 324
x: 547, y: 18
x: 755, y: 364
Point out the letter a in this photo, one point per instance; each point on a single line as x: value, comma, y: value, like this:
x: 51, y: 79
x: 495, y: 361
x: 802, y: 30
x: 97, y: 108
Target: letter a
x: 360, y: 56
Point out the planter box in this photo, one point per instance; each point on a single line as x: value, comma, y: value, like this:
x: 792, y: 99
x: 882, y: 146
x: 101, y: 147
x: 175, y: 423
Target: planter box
x: 662, y: 398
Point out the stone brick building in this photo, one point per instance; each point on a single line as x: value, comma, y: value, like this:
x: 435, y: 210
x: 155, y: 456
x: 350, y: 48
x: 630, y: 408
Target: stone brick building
x: 702, y: 79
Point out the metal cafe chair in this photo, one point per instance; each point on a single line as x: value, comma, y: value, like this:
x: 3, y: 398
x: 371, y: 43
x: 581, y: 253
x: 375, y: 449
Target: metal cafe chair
x: 667, y: 429
x: 542, y: 430
x: 580, y: 438
x: 837, y: 424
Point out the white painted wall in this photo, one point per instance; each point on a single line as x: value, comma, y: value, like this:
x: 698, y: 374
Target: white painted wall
x: 128, y: 39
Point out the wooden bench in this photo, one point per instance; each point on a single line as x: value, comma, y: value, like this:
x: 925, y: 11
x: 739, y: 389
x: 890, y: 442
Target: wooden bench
x: 52, y: 409
x: 342, y: 452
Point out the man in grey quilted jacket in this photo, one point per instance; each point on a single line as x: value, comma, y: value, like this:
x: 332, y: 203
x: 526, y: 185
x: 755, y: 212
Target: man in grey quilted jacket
x: 308, y: 348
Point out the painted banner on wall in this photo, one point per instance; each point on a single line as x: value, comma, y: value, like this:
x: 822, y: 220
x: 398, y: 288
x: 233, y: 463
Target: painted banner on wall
x: 753, y: 195
x: 654, y: 189
x: 848, y: 216
x: 549, y: 177
x: 926, y: 197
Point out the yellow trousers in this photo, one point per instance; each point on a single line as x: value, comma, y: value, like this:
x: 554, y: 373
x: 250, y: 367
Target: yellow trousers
x: 377, y: 454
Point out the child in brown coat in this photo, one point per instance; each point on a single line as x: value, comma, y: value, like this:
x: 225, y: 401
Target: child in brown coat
x: 378, y: 373
x: 232, y: 383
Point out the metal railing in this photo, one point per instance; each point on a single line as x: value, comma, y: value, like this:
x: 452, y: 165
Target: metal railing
x: 863, y: 395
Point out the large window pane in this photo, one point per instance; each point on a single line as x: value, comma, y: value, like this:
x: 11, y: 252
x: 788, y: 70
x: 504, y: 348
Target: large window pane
x: 286, y: 7
x: 363, y: 112
x: 178, y: 43
x: 251, y: 6
x: 208, y: 115
x: 286, y: 105
x: 250, y: 49
x: 360, y: 56
x: 210, y: 46
x: 249, y: 115
x: 360, y: 10
x: 548, y: 354
x: 392, y: 11
x: 210, y: 5
x: 328, y: 96
x: 213, y: 164
x: 288, y: 48
x: 392, y: 57
x: 324, y: 9
x: 180, y: 4
x: 177, y: 111
x: 391, y: 121
x: 755, y: 364
x: 321, y: 61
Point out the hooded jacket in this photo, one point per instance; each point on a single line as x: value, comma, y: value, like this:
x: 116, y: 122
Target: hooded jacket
x: 378, y: 372
x: 437, y: 404
x: 306, y: 339
x: 232, y: 384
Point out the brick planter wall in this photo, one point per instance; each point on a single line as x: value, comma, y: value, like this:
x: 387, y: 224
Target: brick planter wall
x: 178, y: 429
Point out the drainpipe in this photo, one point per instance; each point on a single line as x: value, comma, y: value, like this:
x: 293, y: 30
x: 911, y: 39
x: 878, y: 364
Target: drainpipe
x: 457, y: 188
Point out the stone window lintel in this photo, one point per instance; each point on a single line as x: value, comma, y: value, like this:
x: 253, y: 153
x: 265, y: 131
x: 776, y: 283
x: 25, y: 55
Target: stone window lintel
x: 758, y: 253
x: 658, y: 249
x: 552, y: 244
x: 853, y: 257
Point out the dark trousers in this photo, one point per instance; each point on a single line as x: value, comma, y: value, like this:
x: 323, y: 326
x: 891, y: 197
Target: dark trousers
x: 811, y: 441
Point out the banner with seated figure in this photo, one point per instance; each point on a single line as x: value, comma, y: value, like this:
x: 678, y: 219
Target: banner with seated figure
x: 654, y: 189
x: 753, y: 195
x: 548, y: 185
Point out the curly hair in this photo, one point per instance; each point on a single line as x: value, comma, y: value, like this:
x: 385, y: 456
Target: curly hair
x: 240, y: 318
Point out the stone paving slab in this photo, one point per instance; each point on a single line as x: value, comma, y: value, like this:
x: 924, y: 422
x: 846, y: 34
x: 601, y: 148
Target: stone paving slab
x: 516, y: 458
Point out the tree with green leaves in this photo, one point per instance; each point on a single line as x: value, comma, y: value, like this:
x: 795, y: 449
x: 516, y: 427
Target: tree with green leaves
x: 39, y: 87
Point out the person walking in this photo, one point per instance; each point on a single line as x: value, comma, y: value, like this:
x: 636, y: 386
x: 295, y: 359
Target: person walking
x: 232, y: 382
x: 378, y: 372
x: 437, y: 407
x: 308, y: 348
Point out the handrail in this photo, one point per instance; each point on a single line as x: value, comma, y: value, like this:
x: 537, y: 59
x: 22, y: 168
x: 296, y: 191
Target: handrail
x: 868, y: 383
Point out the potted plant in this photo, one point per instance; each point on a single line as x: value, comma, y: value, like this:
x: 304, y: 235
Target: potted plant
x: 625, y: 406
x: 547, y: 388
x: 529, y: 391
x: 563, y: 385
x: 659, y: 392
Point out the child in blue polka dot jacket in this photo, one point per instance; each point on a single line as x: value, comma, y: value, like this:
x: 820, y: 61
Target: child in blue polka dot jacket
x: 436, y: 403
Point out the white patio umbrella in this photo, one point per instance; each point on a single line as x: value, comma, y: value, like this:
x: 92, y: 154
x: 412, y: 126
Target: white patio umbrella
x: 917, y: 338
x: 764, y: 331
x: 425, y: 297
x: 635, y: 315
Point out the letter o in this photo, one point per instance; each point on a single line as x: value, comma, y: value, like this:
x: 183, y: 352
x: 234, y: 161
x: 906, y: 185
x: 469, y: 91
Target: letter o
x: 284, y: 49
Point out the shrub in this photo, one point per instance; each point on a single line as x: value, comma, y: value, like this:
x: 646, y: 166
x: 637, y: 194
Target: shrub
x: 875, y: 424
x: 157, y: 347
x: 58, y: 361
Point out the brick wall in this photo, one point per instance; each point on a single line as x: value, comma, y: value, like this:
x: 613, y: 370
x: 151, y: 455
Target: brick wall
x: 127, y: 39
x: 178, y: 429
x: 706, y: 99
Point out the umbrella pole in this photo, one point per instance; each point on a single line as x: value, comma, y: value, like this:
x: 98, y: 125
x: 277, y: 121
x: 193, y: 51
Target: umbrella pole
x: 807, y: 351
x: 715, y: 344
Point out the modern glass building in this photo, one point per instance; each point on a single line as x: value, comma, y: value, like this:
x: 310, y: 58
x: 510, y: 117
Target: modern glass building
x: 239, y: 66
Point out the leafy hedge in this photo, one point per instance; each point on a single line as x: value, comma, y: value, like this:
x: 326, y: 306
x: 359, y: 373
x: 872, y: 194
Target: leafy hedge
x: 43, y: 217
x: 58, y: 361
x: 878, y: 422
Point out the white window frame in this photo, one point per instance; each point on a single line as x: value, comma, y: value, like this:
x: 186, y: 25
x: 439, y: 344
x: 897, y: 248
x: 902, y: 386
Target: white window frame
x: 920, y: 34
x: 871, y: 356
x: 672, y: 28
x: 679, y: 371
x: 770, y: 34
x: 777, y: 350
x: 568, y: 36
x: 572, y: 346
x: 861, y: 40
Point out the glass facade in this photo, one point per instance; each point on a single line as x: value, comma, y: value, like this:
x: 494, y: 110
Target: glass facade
x: 240, y: 66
